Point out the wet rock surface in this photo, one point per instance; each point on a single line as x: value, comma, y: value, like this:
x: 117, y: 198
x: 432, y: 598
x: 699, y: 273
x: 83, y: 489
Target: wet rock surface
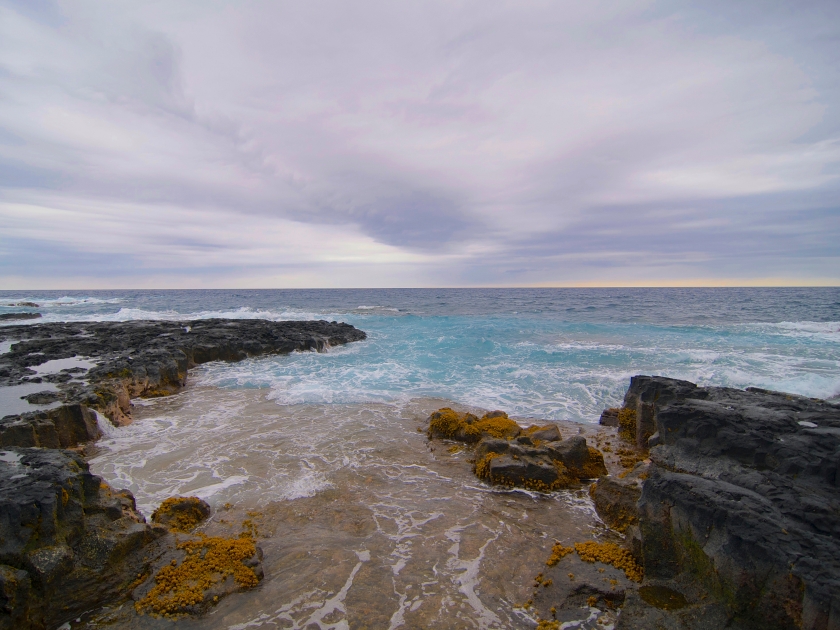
x: 536, y: 457
x: 616, y: 498
x: 742, y: 501
x: 148, y: 358
x: 547, y: 466
x: 69, y: 543
x: 65, y: 427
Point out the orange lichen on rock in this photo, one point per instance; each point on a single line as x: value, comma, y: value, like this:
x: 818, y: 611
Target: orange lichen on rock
x: 208, y: 561
x: 610, y: 553
x: 558, y: 552
x: 181, y: 514
x: 468, y: 427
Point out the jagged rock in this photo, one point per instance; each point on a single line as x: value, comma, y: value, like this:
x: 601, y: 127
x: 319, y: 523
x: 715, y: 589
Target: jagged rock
x: 42, y: 398
x: 68, y: 541
x: 546, y: 467
x: 609, y: 417
x: 743, y: 496
x: 469, y: 428
x: 65, y: 427
x: 150, y: 358
x: 535, y: 435
x: 575, y: 586
x: 181, y: 514
x: 616, y: 498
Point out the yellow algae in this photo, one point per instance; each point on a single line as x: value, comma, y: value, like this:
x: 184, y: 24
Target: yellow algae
x: 627, y: 424
x: 468, y: 427
x: 610, y: 553
x: 455, y: 448
x: 65, y: 497
x: 446, y: 422
x: 547, y: 624
x: 592, y: 600
x: 496, y: 426
x: 558, y: 552
x: 208, y: 561
x: 482, y: 467
x: 181, y: 514
x: 629, y: 457
x: 594, y: 466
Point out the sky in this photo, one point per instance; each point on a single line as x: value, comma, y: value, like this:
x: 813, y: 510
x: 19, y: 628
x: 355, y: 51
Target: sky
x: 366, y: 143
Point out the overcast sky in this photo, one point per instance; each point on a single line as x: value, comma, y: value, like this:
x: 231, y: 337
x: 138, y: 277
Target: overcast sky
x: 377, y: 143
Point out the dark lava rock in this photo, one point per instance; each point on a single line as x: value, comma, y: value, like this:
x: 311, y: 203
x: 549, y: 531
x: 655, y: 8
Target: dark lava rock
x: 4, y: 317
x: 609, y: 417
x: 572, y: 587
x: 744, y: 497
x: 65, y: 427
x: 549, y: 466
x: 151, y: 358
x: 42, y: 398
x: 68, y: 541
x: 616, y: 498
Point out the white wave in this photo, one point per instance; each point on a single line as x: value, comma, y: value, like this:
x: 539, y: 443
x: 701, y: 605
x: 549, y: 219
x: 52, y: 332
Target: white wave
x: 106, y: 427
x: 61, y: 302
x: 305, y: 486
x: 133, y: 314
x: 205, y: 492
x: 378, y: 308
x: 824, y: 331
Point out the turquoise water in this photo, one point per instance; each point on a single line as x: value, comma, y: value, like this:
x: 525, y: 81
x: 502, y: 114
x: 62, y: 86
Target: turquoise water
x: 542, y: 353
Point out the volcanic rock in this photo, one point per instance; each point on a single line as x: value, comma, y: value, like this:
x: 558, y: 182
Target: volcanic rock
x: 549, y: 466
x: 743, y: 498
x: 150, y: 358
x: 65, y: 427
x: 68, y: 541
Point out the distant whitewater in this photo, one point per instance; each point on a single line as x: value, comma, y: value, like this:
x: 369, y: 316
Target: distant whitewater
x: 541, y: 353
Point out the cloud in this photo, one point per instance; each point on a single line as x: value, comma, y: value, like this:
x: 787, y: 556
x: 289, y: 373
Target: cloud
x: 440, y: 144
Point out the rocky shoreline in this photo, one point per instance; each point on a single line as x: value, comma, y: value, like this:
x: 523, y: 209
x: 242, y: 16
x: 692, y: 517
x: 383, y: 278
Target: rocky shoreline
x: 125, y: 360
x: 722, y: 504
x: 69, y: 542
x: 728, y: 508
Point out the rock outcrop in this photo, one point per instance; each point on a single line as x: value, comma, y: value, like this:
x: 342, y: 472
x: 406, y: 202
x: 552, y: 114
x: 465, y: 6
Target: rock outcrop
x: 149, y: 358
x: 68, y: 541
x: 742, y: 499
x: 65, y: 427
x: 536, y: 457
x: 550, y: 466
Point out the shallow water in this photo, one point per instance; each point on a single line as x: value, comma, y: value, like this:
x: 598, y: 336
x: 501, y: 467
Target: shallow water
x: 364, y: 522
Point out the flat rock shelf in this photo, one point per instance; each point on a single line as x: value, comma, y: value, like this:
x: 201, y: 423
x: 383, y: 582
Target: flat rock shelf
x: 142, y: 358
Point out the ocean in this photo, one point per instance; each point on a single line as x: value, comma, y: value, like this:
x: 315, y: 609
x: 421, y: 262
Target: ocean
x: 364, y: 522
